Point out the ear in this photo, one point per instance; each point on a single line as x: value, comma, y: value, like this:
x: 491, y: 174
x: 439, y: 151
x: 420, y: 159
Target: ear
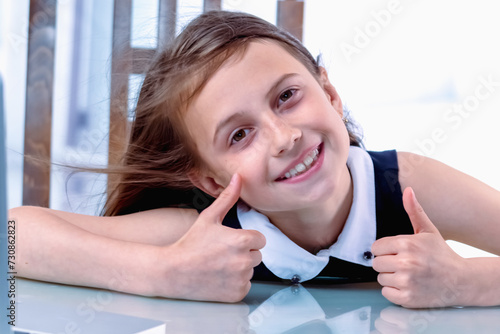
x: 205, y: 182
x: 330, y: 91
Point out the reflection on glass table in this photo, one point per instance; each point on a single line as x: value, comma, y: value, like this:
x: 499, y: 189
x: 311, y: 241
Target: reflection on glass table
x: 268, y: 308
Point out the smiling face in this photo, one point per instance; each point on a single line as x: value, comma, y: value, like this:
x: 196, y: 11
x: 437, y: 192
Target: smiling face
x: 264, y: 116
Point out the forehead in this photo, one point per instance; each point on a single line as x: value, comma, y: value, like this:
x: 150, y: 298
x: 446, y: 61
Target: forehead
x: 258, y: 57
x: 249, y: 73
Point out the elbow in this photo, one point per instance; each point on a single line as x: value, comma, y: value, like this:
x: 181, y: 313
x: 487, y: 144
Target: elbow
x: 22, y: 212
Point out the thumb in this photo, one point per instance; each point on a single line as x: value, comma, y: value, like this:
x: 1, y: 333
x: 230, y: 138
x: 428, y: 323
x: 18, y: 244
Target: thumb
x: 419, y: 220
x: 225, y: 201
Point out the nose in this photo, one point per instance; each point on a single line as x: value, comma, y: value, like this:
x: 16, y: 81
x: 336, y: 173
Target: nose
x: 284, y: 136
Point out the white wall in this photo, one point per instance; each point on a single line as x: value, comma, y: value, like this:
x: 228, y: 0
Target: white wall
x: 405, y: 67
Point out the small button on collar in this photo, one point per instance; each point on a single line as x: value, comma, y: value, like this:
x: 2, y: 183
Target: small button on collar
x: 295, y: 279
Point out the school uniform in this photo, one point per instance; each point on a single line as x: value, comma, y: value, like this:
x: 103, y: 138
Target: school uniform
x: 376, y: 212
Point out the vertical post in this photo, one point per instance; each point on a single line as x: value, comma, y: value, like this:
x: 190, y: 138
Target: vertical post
x: 121, y: 64
x: 209, y: 5
x: 39, y: 88
x: 166, y: 20
x: 291, y: 17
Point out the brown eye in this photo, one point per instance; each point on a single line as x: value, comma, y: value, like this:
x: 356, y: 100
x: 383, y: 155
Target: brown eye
x: 286, y: 95
x: 239, y: 135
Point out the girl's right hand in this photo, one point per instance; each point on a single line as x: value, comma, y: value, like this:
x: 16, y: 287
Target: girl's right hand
x: 211, y: 262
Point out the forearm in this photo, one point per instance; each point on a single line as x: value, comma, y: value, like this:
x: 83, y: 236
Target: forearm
x: 199, y: 259
x: 155, y: 227
x: 51, y: 249
x: 480, y: 285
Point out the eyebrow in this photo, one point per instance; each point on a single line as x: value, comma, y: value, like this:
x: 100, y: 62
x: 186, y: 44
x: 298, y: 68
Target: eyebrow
x: 227, y: 121
x: 278, y: 82
x: 223, y: 123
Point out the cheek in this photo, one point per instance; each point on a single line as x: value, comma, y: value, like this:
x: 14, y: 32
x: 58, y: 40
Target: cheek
x: 252, y: 170
x: 253, y: 193
x: 228, y: 167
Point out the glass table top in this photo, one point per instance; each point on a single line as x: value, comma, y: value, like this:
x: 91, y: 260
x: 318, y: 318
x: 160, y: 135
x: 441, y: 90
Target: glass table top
x: 268, y: 308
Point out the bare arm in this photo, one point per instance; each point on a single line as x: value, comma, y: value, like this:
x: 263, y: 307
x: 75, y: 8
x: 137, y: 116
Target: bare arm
x: 421, y: 270
x: 155, y: 227
x: 163, y: 252
x: 50, y: 248
x: 461, y: 207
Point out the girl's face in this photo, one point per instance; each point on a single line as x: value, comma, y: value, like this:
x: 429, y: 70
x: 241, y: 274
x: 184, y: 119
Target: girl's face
x: 264, y: 116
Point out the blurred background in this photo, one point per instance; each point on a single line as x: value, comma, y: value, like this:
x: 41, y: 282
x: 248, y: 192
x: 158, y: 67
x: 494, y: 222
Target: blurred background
x: 420, y: 76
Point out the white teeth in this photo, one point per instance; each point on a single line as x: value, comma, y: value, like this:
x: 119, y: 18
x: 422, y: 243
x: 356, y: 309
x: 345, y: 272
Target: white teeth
x: 303, y: 166
x: 300, y: 168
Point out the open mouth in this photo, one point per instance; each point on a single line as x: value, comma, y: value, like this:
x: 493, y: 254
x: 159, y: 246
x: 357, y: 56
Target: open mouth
x: 302, y: 167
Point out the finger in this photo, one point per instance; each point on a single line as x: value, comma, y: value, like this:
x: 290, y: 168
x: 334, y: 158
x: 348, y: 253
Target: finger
x: 392, y: 294
x: 258, y: 240
x: 419, y: 220
x: 387, y: 279
x: 222, y: 204
x: 386, y: 246
x: 385, y: 264
x: 256, y: 257
x: 247, y: 240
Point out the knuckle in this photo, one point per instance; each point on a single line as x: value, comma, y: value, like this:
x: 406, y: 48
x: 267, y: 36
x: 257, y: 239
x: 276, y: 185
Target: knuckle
x: 404, y: 264
x: 248, y: 239
x: 405, y: 244
x: 242, y: 265
x: 404, y: 281
x: 243, y: 239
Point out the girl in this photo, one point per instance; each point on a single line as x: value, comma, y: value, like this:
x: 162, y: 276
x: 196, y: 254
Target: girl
x: 239, y: 110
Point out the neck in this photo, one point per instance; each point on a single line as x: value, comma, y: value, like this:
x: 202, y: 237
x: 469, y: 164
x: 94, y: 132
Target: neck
x: 318, y: 227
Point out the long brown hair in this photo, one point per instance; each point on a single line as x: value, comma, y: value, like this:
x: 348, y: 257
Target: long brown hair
x: 154, y: 171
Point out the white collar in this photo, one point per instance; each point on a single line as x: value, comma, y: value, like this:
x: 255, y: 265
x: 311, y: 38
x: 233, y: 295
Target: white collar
x: 286, y: 259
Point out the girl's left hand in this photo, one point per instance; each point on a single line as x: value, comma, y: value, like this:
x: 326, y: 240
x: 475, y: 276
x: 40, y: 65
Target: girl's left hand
x: 418, y: 270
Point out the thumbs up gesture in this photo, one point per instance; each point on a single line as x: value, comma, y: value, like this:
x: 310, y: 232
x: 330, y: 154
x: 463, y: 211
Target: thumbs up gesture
x: 418, y: 270
x: 213, y: 262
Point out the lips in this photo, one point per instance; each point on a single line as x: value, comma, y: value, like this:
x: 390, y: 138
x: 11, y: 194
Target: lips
x: 301, y: 165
